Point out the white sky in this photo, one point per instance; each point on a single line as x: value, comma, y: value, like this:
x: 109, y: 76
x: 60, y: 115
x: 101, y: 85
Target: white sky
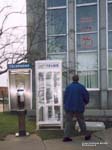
x: 13, y: 20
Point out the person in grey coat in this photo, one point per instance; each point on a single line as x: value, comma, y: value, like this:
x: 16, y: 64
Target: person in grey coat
x: 76, y: 97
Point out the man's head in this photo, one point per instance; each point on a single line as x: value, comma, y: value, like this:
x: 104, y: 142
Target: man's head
x: 75, y: 78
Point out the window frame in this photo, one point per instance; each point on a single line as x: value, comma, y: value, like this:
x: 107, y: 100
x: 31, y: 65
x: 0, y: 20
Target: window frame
x: 97, y: 32
x: 84, y: 4
x: 56, y: 35
x: 53, y: 6
x: 107, y: 33
x: 56, y: 8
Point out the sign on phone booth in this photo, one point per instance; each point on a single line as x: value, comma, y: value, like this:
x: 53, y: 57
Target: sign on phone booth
x: 20, y: 84
x: 49, y: 93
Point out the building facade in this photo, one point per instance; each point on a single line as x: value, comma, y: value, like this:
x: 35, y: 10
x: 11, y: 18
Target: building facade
x: 78, y: 32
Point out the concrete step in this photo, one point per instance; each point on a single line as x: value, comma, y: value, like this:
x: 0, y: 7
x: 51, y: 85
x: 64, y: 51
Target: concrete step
x: 92, y: 126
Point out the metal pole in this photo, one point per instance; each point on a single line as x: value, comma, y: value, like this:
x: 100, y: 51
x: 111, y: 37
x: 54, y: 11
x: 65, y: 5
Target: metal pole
x: 3, y: 99
x: 21, y: 117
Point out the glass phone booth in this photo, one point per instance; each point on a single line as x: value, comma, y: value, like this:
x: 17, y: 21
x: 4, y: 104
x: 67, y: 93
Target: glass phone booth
x: 49, y: 93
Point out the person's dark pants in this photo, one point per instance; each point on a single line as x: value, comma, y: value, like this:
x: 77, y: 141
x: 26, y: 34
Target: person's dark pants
x: 68, y: 130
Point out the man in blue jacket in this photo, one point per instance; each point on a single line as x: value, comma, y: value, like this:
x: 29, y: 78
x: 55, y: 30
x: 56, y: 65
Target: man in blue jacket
x: 75, y: 98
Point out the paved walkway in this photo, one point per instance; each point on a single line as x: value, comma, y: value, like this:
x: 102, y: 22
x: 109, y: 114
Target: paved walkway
x: 100, y: 141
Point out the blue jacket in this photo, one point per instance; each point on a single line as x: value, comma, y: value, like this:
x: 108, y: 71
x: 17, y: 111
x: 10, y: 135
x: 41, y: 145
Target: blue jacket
x: 75, y: 97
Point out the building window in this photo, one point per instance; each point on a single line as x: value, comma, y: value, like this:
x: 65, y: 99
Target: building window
x: 87, y: 42
x: 85, y: 1
x: 56, y: 44
x: 56, y: 30
x: 110, y: 43
x: 56, y: 21
x: 59, y: 56
x: 87, y: 22
x: 56, y: 3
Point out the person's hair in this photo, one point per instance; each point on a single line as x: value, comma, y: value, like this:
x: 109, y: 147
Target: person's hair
x: 75, y: 78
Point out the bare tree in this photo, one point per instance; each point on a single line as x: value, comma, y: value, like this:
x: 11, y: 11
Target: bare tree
x: 36, y: 30
x: 13, y: 37
x: 12, y: 47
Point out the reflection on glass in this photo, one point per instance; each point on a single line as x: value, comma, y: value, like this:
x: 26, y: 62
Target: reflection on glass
x: 57, y: 44
x: 50, y: 112
x: 110, y: 79
x: 48, y: 95
x: 41, y: 87
x: 110, y: 59
x: 41, y: 76
x: 65, y: 79
x: 48, y: 75
x: 87, y: 42
x: 56, y: 79
x: 87, y: 61
x: 56, y: 87
x: 87, y: 18
x: 48, y: 87
x: 56, y: 98
x: 62, y: 57
x: 41, y: 114
x: 54, y: 3
x: 56, y: 21
x: 110, y: 40
x: 85, y: 1
x: 110, y: 16
x: 110, y: 45
x: 57, y: 112
x: 89, y: 78
x: 41, y: 95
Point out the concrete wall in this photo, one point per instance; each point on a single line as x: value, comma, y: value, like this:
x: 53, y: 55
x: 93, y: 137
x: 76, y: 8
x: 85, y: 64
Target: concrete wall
x: 103, y: 53
x: 36, y: 29
x: 35, y: 35
x: 71, y: 38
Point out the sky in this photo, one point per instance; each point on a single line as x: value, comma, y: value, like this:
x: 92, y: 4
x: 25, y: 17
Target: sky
x: 13, y: 20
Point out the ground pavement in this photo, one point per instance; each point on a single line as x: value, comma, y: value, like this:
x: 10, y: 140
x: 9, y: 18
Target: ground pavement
x: 100, y: 141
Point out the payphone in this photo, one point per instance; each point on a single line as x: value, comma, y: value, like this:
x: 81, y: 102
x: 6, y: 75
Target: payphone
x: 20, y: 92
x: 20, y: 98
x: 20, y: 85
x: 21, y: 111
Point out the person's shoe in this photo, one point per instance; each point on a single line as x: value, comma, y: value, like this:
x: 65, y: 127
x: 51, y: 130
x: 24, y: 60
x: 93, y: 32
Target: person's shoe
x: 87, y: 137
x: 67, y: 139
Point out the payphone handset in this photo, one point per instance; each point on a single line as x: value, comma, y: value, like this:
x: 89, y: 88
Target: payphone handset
x: 20, y: 97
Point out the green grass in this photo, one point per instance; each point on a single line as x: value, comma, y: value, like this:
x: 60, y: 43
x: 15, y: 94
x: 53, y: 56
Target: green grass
x: 54, y: 134
x: 9, y: 124
x: 50, y: 134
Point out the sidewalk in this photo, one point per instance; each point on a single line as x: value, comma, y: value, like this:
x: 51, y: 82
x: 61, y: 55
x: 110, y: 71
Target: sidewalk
x: 100, y: 141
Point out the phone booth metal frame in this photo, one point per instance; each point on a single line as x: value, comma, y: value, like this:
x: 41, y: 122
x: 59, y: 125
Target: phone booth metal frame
x: 19, y: 82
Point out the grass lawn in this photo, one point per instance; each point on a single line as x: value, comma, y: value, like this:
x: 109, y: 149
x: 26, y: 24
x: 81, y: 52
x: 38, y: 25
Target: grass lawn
x: 9, y: 124
x: 50, y: 134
